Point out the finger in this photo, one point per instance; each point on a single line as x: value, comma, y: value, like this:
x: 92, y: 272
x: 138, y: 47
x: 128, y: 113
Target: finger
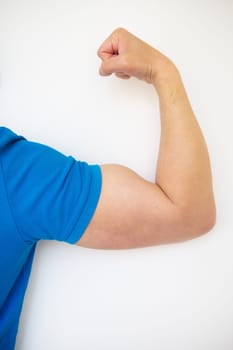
x: 111, y: 65
x: 103, y: 73
x: 104, y: 55
x: 108, y: 48
x: 122, y: 75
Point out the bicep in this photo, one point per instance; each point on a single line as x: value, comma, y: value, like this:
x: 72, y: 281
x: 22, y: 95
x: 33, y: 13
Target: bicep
x: 131, y: 212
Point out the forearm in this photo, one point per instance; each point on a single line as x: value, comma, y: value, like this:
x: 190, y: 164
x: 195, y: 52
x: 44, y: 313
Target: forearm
x: 183, y: 168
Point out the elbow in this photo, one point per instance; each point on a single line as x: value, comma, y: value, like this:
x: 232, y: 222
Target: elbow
x: 208, y: 222
x: 198, y: 220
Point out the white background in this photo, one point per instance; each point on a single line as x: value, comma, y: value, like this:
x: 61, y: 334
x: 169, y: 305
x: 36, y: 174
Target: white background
x: 177, y: 296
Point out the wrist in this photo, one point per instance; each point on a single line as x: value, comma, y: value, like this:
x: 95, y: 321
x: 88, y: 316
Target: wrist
x: 163, y: 72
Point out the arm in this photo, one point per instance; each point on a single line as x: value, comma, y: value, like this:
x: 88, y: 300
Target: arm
x: 133, y: 212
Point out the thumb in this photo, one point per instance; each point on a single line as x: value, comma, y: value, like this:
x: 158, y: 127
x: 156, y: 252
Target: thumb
x: 115, y: 64
x: 110, y: 65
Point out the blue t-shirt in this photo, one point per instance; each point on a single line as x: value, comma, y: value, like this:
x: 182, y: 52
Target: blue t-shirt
x: 43, y: 195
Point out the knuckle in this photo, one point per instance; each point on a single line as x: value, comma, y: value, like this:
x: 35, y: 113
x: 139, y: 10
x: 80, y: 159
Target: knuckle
x: 119, y: 30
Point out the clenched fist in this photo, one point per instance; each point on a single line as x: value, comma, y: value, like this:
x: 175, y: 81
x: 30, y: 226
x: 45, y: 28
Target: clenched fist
x: 126, y: 55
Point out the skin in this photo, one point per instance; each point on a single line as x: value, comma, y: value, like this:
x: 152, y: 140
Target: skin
x: 133, y: 212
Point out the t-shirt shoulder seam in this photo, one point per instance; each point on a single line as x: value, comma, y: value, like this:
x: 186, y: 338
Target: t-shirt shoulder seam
x: 9, y: 203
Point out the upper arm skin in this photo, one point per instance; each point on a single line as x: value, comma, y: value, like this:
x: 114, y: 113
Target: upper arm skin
x: 132, y: 213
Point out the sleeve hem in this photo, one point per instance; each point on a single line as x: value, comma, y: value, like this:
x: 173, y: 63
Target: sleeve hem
x: 90, y: 207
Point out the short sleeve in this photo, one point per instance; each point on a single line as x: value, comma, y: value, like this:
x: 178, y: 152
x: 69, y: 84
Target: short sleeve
x: 52, y: 196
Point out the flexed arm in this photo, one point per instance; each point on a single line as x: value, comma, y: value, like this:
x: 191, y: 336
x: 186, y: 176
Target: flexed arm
x: 133, y: 212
